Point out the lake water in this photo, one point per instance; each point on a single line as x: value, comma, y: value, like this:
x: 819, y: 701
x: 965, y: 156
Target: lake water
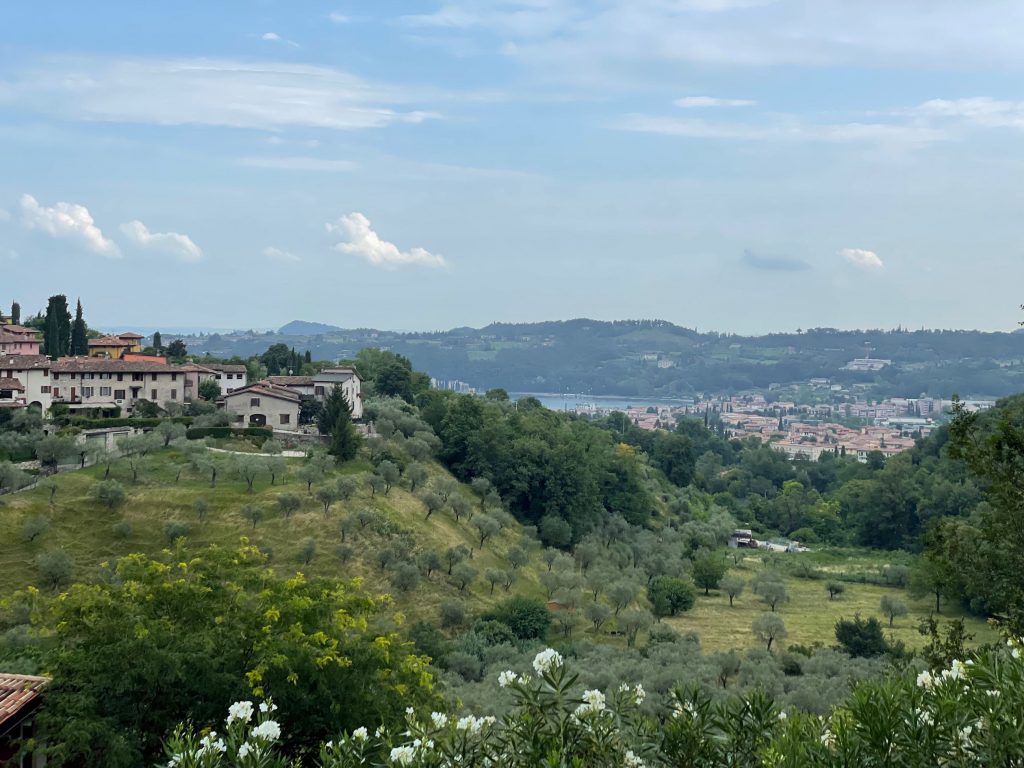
x: 572, y: 402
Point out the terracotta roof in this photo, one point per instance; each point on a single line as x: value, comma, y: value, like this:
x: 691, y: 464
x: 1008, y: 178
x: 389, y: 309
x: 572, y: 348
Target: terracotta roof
x: 130, y: 335
x: 11, y: 384
x: 18, y: 693
x: 291, y: 381
x: 107, y: 341
x: 19, y: 330
x: 24, y: 362
x: 225, y: 367
x: 102, y: 364
x: 264, y: 389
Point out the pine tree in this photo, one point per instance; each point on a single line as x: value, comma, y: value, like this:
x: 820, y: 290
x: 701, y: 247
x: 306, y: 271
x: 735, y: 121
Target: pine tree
x: 336, y: 420
x: 79, y: 337
x: 158, y: 343
x: 57, y: 333
x: 16, y: 313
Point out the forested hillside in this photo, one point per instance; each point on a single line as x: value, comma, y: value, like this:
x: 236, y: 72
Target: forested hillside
x: 622, y: 358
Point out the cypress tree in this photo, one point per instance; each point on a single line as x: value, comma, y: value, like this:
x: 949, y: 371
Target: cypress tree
x: 57, y: 333
x: 158, y: 343
x: 79, y: 337
x: 16, y: 313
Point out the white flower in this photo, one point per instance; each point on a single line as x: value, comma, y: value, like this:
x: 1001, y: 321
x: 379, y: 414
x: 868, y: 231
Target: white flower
x: 410, y: 711
x: 211, y: 742
x: 956, y: 670
x: 632, y: 761
x: 360, y: 734
x: 639, y: 694
x: 925, y: 680
x: 547, y: 660
x: 244, y: 750
x: 265, y: 707
x: 439, y: 719
x: 828, y: 738
x: 268, y: 729
x: 782, y: 715
x: 403, y: 755
x: 594, y: 698
x: 506, y: 678
x: 240, y: 710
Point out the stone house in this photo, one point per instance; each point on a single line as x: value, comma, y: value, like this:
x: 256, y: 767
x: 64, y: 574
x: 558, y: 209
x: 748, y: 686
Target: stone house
x: 264, y: 405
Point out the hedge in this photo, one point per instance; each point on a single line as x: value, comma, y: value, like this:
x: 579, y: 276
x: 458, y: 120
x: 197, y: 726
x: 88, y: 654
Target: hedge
x: 126, y: 421
x: 198, y: 433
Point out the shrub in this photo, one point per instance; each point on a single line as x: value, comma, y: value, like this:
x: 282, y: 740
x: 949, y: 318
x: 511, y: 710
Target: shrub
x: 527, y: 617
x: 861, y: 637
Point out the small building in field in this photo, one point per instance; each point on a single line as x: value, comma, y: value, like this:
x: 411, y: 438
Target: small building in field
x: 263, y: 405
x: 20, y: 697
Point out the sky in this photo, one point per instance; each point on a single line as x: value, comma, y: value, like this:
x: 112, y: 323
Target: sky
x: 735, y: 165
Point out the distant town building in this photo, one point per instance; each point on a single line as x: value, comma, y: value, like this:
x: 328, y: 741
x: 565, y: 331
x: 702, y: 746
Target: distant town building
x: 263, y: 404
x: 867, y: 364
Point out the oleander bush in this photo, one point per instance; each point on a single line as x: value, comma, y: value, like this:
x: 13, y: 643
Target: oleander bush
x: 970, y: 713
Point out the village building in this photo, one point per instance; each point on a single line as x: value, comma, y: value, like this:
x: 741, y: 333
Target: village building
x: 230, y: 376
x: 115, y: 346
x: 263, y: 404
x: 20, y: 696
x: 33, y: 373
x: 97, y: 383
x: 348, y: 379
x: 18, y: 340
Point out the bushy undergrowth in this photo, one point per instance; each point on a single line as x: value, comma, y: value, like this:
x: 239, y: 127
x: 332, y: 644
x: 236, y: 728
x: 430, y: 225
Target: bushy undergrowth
x: 968, y: 713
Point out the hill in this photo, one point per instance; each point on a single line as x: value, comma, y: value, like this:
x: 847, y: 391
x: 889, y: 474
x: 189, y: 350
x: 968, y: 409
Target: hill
x: 656, y: 358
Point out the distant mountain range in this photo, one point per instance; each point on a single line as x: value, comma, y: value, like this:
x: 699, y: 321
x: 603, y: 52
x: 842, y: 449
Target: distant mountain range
x: 656, y: 358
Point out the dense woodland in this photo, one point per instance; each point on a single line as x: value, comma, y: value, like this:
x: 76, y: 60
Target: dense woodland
x: 622, y: 529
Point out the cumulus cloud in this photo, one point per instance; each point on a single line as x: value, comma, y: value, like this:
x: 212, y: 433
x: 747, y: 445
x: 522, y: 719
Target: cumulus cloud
x: 367, y: 244
x: 277, y: 254
x: 270, y: 36
x: 691, y: 102
x: 297, y: 164
x: 173, y: 243
x: 67, y: 220
x: 862, y: 259
x: 773, y: 263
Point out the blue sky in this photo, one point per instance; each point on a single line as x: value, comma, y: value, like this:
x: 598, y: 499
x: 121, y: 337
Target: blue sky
x: 739, y: 165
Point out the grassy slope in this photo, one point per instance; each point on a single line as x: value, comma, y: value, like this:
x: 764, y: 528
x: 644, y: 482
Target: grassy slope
x: 84, y: 529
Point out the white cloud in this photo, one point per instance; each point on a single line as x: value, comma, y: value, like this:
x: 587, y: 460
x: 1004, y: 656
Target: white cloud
x: 786, y: 128
x: 297, y: 164
x: 690, y: 102
x: 982, y: 111
x: 335, y: 17
x: 862, y: 259
x: 270, y: 36
x: 67, y: 220
x: 219, y: 92
x: 173, y: 243
x: 365, y: 243
x: 277, y: 254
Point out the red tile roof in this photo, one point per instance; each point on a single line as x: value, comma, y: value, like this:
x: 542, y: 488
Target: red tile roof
x: 18, y: 693
x: 265, y: 388
x: 23, y: 362
x: 291, y: 381
x: 107, y: 365
x: 107, y: 341
x: 11, y: 384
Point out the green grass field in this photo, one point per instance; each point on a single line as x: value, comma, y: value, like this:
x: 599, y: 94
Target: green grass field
x: 809, y: 615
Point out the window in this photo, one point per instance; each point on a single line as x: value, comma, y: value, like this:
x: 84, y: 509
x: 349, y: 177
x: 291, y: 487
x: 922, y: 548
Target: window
x: 254, y: 402
x: 56, y: 391
x: 174, y: 394
x: 138, y: 377
x: 56, y: 376
x: 119, y: 394
x: 152, y: 395
x: 87, y: 391
x: 104, y: 391
x: 153, y: 375
x: 120, y: 377
x: 286, y: 418
x: 319, y: 391
x: 174, y: 377
x: 45, y: 390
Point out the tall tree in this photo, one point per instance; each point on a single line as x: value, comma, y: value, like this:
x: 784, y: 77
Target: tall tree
x: 16, y: 313
x: 57, y: 336
x: 158, y: 343
x: 79, y: 336
x: 336, y: 420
